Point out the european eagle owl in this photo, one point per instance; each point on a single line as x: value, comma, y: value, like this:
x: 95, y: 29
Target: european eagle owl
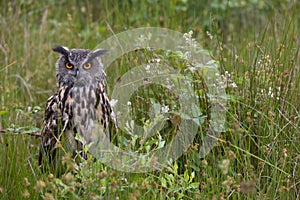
x: 78, y: 105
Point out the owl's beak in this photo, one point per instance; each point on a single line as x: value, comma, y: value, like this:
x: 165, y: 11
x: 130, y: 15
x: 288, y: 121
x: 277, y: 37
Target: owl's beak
x: 76, y: 72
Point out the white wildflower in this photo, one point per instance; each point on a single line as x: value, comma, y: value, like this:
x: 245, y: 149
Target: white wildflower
x: 165, y: 109
x: 270, y: 93
x: 209, y: 35
x: 234, y: 85
x: 147, y: 68
x: 157, y: 60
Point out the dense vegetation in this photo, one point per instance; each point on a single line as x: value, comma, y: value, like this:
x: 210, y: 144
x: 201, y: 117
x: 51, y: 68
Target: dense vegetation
x: 254, y: 43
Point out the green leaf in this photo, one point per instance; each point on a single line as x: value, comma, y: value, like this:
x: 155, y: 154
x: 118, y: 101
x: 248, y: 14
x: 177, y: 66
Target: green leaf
x: 194, y: 185
x: 3, y: 112
x: 192, y: 176
x: 86, y: 148
x: 31, y: 130
x: 180, y: 195
x: 163, y: 182
x: 79, y: 138
x: 186, y: 176
x: 175, y: 168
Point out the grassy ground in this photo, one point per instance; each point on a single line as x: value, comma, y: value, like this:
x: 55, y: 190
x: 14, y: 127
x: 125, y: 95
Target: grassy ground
x: 256, y: 44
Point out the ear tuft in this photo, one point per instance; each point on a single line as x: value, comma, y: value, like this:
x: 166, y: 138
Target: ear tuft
x: 96, y: 53
x: 62, y: 50
x: 99, y: 52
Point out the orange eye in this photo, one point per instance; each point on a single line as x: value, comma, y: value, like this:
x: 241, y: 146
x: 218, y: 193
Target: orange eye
x: 69, y: 65
x: 87, y: 66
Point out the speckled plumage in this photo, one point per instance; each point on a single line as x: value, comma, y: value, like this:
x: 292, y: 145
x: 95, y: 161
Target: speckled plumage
x: 79, y: 103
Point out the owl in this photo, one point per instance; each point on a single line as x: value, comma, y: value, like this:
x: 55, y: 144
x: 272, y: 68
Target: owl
x: 79, y: 104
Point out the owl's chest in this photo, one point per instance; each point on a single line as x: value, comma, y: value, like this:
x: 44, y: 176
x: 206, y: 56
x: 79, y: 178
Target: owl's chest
x: 78, y: 105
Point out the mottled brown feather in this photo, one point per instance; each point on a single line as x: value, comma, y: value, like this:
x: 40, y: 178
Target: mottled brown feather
x: 74, y: 110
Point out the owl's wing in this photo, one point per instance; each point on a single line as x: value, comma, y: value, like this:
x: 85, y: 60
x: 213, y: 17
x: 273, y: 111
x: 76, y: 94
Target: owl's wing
x: 57, y: 135
x: 50, y: 129
x: 104, y: 109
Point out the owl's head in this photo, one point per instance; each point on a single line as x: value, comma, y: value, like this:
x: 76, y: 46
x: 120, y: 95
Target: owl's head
x: 79, y: 65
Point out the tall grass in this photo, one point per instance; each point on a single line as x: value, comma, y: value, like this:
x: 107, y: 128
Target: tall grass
x: 257, y: 47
